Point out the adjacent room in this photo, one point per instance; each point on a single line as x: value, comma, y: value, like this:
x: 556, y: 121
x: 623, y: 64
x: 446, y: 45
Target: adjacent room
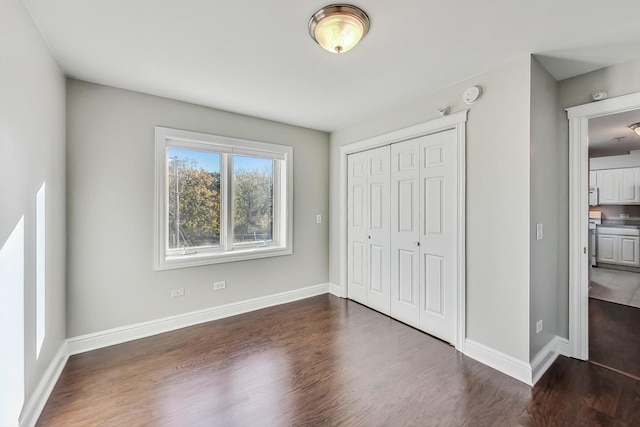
x: 614, y: 242
x: 297, y: 213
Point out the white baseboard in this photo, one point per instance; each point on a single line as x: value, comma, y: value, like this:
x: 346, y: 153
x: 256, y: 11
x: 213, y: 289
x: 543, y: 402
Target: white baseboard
x: 88, y: 342
x: 335, y: 290
x: 563, y: 346
x: 34, y: 406
x: 549, y: 353
x: 497, y: 360
x: 544, y: 359
x: 522, y: 371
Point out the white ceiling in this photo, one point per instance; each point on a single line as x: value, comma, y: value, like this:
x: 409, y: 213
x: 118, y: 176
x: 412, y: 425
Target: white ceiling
x: 255, y: 56
x: 603, y: 132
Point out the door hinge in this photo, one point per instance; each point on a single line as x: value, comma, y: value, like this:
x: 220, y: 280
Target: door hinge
x: 584, y: 250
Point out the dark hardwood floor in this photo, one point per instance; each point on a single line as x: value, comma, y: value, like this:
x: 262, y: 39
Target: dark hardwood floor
x: 322, y: 361
x: 614, y: 336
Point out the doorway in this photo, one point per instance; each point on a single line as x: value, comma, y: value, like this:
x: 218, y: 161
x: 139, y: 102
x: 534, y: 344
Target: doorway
x: 614, y: 242
x: 604, y: 261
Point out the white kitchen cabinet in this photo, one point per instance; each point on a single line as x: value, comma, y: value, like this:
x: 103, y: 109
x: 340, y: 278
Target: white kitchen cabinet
x: 593, y: 178
x: 629, y: 247
x: 608, y: 188
x: 618, y: 186
x: 607, y: 248
x: 619, y: 246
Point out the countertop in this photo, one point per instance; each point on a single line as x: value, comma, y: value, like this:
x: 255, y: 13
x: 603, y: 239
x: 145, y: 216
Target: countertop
x: 610, y: 225
x: 621, y: 222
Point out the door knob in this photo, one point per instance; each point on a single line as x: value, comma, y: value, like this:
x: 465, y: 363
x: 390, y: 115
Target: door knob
x: 417, y: 243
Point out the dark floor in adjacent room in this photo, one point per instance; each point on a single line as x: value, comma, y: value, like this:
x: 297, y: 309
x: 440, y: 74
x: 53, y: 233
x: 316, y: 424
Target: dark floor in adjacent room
x: 614, y: 336
x: 322, y: 361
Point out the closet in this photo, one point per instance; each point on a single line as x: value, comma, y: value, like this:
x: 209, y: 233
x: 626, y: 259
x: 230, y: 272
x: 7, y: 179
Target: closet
x: 403, y: 231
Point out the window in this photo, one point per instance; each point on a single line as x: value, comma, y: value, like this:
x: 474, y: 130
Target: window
x: 220, y: 199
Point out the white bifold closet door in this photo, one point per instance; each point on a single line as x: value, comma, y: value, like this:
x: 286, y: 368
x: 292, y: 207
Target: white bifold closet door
x: 405, y: 235
x: 422, y: 234
x: 439, y: 234
x: 369, y: 229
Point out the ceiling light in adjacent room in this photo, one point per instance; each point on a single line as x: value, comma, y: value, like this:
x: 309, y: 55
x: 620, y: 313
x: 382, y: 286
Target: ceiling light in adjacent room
x: 635, y: 127
x: 339, y: 27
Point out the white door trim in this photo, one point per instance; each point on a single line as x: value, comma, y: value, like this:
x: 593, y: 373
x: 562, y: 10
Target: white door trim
x: 579, y: 213
x: 455, y: 121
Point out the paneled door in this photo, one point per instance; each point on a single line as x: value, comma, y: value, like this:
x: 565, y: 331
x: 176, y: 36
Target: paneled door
x: 438, y: 234
x: 405, y: 231
x: 369, y: 228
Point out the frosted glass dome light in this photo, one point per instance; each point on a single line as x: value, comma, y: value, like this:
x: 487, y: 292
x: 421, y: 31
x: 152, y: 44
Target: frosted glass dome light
x: 339, y: 27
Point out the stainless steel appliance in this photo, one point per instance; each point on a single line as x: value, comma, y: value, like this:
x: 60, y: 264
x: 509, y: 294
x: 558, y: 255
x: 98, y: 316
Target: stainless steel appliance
x: 595, y: 219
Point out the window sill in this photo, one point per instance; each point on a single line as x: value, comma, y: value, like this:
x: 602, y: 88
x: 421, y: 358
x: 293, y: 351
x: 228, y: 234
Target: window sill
x: 206, y: 258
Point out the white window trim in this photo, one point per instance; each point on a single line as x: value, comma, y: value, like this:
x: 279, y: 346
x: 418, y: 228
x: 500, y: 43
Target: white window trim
x: 228, y: 252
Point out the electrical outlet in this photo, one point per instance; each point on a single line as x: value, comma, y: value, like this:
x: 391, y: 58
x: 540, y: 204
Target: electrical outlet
x: 219, y: 285
x: 318, y: 219
x: 177, y: 292
x: 538, y: 326
x: 538, y: 231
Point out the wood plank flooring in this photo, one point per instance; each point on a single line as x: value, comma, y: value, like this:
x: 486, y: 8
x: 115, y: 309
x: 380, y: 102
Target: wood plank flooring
x: 322, y: 361
x: 614, y: 336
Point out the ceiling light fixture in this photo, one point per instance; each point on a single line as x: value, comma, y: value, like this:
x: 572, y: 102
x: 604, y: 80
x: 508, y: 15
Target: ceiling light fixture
x: 635, y: 127
x: 338, y: 27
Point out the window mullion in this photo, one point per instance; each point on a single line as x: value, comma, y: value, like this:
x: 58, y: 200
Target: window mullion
x: 228, y: 208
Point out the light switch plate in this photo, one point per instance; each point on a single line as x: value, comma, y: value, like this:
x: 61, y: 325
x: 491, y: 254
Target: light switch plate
x: 538, y: 231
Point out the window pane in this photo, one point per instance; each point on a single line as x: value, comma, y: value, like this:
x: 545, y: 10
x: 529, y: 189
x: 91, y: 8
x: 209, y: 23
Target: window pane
x: 252, y: 199
x: 194, y: 198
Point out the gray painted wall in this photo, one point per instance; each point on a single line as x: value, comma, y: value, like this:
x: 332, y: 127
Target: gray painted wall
x: 110, y: 161
x: 32, y: 151
x: 547, y: 170
x: 497, y: 198
x: 619, y: 79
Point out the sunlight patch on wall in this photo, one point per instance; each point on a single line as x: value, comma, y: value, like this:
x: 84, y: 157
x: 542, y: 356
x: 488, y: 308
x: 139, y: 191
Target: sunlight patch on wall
x: 41, y: 264
x: 12, y: 326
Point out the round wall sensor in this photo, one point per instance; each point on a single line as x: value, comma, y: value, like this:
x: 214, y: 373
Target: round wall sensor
x: 599, y: 96
x: 443, y: 111
x: 471, y: 95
